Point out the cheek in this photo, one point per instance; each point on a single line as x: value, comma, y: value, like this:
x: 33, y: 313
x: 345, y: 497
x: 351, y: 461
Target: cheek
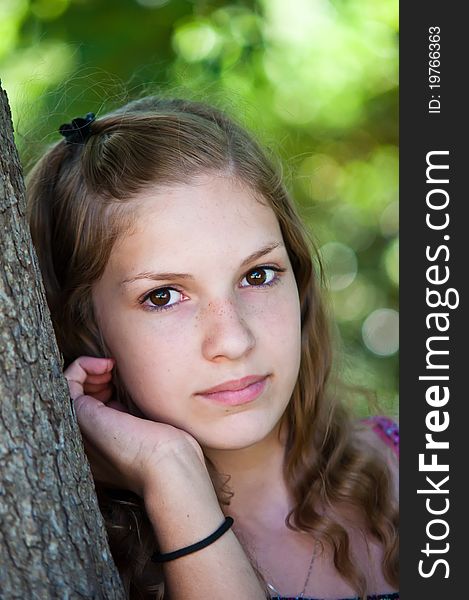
x: 285, y: 348
x: 278, y: 320
x: 150, y: 356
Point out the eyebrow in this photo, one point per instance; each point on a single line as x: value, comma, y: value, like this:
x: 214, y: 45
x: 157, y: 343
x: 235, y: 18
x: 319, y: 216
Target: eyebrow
x: 171, y: 275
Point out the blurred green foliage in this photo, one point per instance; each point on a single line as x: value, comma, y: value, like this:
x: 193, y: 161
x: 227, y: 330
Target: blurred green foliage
x: 316, y: 80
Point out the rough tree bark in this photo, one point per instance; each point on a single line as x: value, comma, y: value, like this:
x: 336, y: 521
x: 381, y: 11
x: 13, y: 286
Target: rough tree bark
x: 52, y: 538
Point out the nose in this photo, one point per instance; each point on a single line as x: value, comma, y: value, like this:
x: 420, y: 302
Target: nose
x: 226, y: 333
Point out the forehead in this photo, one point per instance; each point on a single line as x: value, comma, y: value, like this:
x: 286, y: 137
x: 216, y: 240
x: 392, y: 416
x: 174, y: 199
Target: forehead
x: 211, y: 216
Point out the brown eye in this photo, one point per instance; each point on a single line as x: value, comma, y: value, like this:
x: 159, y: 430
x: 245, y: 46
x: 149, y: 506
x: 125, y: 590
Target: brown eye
x: 261, y: 277
x: 160, y: 297
x: 163, y: 298
x: 256, y: 277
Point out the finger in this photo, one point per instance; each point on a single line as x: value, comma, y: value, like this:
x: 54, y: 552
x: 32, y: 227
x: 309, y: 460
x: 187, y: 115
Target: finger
x: 85, y: 409
x: 89, y: 366
x: 104, y: 378
x: 99, y: 422
x: 78, y: 371
x: 104, y: 395
x: 92, y: 388
x: 108, y: 432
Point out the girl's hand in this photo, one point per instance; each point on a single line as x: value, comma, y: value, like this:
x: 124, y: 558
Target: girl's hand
x: 123, y: 450
x: 96, y: 384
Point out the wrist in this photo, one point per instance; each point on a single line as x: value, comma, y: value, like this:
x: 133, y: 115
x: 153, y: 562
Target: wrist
x: 181, y: 502
x: 173, y: 461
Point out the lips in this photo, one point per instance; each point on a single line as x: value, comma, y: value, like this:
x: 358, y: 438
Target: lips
x: 234, y: 385
x: 237, y: 391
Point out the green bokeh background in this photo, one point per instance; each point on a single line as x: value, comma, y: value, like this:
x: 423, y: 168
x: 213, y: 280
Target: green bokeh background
x: 315, y: 80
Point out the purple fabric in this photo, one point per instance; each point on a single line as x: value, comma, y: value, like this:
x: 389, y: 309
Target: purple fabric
x: 387, y: 430
x: 391, y: 596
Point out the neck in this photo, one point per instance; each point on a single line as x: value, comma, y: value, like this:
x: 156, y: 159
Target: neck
x: 260, y: 493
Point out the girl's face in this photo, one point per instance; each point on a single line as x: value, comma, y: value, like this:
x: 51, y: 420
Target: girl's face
x: 201, y: 294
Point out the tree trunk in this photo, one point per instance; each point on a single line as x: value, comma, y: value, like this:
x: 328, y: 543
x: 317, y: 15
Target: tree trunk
x: 52, y: 537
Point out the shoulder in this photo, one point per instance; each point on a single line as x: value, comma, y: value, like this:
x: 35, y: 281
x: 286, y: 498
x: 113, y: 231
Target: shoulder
x: 381, y: 435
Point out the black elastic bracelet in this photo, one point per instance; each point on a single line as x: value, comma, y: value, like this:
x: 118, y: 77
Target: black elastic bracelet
x: 159, y: 558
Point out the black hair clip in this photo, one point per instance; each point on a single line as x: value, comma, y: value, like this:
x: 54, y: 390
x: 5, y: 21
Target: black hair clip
x: 79, y: 130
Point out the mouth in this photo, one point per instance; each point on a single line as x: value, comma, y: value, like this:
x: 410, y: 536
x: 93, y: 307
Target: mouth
x: 238, y: 391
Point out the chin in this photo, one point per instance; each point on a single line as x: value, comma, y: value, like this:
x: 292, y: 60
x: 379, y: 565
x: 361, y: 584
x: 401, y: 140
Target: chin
x: 233, y: 438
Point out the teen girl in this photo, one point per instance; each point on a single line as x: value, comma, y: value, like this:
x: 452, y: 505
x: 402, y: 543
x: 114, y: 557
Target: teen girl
x: 188, y: 310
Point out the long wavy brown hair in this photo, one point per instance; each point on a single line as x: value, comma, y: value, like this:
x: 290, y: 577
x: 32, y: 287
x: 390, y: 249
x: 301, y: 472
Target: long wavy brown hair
x: 80, y: 201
